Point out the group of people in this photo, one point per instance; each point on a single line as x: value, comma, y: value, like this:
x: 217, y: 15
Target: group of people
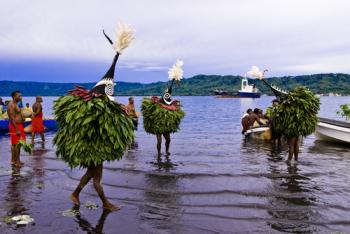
x: 94, y: 128
x: 17, y: 116
x: 293, y: 115
x: 256, y: 118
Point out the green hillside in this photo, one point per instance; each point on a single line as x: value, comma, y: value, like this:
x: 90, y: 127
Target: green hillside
x: 200, y: 85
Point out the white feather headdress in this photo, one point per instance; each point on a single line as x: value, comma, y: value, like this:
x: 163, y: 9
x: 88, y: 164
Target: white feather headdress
x: 176, y: 72
x: 256, y: 73
x: 125, y: 34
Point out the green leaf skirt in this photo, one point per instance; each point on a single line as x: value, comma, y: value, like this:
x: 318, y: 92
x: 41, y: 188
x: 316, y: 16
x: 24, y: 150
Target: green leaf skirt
x: 158, y: 120
x: 296, y: 115
x: 91, y: 132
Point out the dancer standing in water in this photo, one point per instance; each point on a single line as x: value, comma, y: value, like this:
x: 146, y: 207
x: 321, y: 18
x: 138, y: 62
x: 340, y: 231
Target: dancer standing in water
x: 295, y: 115
x: 162, y: 116
x: 37, y: 120
x: 15, y: 128
x: 93, y: 128
x: 132, y: 112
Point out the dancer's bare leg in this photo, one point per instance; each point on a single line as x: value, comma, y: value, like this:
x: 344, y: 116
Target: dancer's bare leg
x: 97, y: 184
x: 159, y: 144
x: 13, y: 154
x: 33, y: 136
x: 291, y: 143
x: 83, y: 181
x: 296, y: 149
x: 17, y: 158
x: 167, y: 143
x: 42, y: 137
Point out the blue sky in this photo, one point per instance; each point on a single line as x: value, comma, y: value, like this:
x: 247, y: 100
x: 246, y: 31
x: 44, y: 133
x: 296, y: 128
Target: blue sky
x: 61, y: 41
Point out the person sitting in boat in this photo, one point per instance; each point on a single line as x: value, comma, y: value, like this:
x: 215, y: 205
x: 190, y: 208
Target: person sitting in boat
x: 254, y: 120
x: 268, y: 111
x: 245, y: 121
x: 27, y: 111
x: 1, y: 102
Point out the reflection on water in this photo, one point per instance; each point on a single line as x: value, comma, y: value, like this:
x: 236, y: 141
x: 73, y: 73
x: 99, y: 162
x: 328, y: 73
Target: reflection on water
x: 290, y: 207
x: 161, y: 205
x: 86, y: 226
x: 215, y: 181
x: 15, y: 199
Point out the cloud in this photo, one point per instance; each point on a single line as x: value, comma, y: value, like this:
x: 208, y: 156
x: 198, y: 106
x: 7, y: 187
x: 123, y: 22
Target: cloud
x: 213, y: 37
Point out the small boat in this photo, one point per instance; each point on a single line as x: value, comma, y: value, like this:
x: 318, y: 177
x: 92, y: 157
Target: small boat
x: 333, y: 130
x: 50, y: 125
x: 261, y: 133
x: 246, y: 91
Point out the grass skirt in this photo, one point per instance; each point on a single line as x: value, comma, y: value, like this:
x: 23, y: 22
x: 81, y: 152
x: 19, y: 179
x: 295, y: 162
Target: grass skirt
x: 91, y: 132
x: 159, y: 120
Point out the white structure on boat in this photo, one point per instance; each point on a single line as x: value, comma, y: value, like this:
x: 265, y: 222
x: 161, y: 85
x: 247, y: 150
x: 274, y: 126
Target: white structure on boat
x: 248, y: 90
x: 333, y: 130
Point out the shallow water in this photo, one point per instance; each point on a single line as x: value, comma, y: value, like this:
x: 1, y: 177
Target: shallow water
x: 216, y: 181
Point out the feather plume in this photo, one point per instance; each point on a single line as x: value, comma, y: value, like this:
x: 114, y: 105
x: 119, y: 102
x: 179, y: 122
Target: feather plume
x: 176, y: 72
x: 256, y: 73
x: 125, y: 34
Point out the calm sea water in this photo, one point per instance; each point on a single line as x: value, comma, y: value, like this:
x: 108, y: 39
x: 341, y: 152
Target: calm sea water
x: 215, y: 181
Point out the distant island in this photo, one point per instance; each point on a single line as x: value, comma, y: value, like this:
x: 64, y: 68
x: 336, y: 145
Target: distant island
x: 199, y: 85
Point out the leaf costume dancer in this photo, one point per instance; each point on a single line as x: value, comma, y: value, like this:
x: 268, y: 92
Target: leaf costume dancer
x: 162, y: 116
x: 295, y: 115
x: 92, y: 127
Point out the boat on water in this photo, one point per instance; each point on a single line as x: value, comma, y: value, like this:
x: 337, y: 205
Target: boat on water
x: 333, y: 130
x: 326, y: 130
x: 50, y: 125
x: 246, y: 91
x: 261, y: 132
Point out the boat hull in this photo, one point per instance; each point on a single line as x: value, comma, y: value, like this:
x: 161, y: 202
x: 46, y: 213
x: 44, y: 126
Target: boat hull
x: 50, y: 125
x: 238, y: 95
x: 249, y: 95
x: 261, y: 133
x: 333, y: 131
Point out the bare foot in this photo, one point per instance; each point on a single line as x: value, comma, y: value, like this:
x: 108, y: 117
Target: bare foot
x: 74, y: 199
x: 18, y: 164
x: 111, y: 207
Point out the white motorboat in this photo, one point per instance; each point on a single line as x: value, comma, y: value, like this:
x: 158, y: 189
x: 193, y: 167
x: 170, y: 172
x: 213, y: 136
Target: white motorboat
x: 333, y: 130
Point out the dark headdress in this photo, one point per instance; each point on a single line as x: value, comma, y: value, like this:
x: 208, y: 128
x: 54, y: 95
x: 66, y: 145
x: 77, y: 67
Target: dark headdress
x: 106, y: 85
x: 175, y: 74
x: 255, y: 72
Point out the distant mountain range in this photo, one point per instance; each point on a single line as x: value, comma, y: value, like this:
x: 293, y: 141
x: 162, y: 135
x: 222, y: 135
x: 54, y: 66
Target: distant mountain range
x: 200, y: 85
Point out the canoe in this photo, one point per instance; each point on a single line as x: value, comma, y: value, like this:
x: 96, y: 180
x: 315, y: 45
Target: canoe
x: 50, y: 125
x: 333, y: 130
x: 261, y: 132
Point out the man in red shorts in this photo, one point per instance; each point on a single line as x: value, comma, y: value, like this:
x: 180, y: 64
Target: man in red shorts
x: 37, y: 121
x: 15, y: 128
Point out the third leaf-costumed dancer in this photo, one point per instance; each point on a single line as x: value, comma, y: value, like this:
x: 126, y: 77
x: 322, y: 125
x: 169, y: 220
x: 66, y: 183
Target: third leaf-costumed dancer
x: 162, y: 116
x: 93, y: 128
x: 294, y: 116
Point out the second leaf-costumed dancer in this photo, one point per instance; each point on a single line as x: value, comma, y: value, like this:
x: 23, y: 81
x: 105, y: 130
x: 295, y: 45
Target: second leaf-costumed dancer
x: 162, y: 116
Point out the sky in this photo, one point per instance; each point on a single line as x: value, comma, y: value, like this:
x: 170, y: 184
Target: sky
x: 62, y: 41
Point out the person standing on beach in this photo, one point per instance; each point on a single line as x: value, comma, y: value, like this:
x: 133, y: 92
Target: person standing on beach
x: 37, y: 120
x: 162, y: 116
x: 132, y: 112
x: 94, y: 128
x: 15, y: 128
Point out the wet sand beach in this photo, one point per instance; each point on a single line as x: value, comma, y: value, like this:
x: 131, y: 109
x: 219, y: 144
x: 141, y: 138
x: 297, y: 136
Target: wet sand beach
x: 215, y: 181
